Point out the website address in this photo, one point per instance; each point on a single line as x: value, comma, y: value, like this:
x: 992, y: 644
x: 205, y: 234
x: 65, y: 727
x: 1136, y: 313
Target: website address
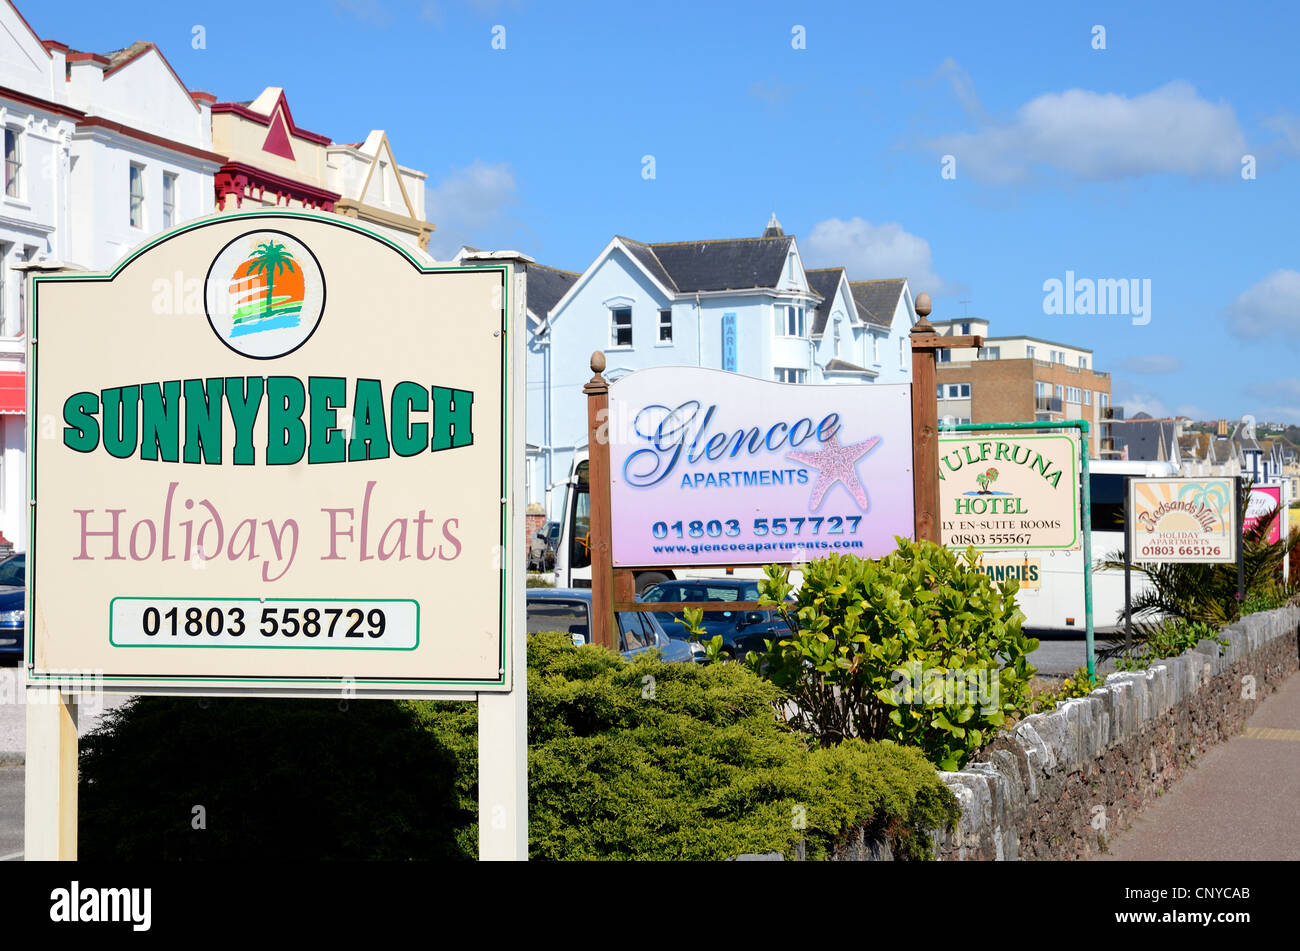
x: 751, y: 546
x: 1202, y: 918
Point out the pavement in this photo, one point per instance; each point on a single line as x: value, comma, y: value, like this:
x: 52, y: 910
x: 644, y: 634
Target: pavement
x: 1240, y: 802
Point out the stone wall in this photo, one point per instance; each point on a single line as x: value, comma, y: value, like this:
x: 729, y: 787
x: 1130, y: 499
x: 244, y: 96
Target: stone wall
x: 1061, y: 783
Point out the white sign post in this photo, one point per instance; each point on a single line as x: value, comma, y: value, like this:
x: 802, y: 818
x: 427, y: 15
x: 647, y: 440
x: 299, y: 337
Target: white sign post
x: 286, y: 461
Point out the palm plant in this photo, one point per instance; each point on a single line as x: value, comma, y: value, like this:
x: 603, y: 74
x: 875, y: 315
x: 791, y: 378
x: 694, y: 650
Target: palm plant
x: 270, y: 258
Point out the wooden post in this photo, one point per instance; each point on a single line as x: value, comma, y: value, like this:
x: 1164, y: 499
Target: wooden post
x: 600, y: 539
x: 50, y: 779
x: 925, y: 419
x: 925, y: 429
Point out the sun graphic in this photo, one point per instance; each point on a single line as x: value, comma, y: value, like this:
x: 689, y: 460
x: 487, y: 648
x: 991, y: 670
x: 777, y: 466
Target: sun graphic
x: 1183, y: 507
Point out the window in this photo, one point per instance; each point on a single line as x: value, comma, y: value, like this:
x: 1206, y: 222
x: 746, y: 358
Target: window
x: 1058, y: 356
x: 945, y: 355
x: 789, y: 320
x: 169, y: 201
x: 666, y: 326
x: 990, y: 353
x: 875, y: 348
x: 965, y: 330
x: 938, y: 391
x: 4, y: 288
x: 1087, y: 397
x: 1083, y: 363
x: 1103, y: 400
x: 137, y: 196
x: 1060, y: 392
x: 1040, y: 388
x: 839, y: 344
x: 1072, y: 394
x: 902, y: 353
x: 620, y: 327
x: 958, y: 391
x: 1029, y: 352
x: 13, y: 164
x: 790, y: 375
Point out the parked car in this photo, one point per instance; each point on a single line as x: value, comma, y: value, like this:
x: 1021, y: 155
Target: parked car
x: 13, y: 617
x: 742, y: 631
x: 541, y: 547
x: 569, y: 610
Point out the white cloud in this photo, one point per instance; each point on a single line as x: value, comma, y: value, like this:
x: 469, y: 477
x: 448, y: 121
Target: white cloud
x: 1269, y: 308
x: 869, y: 251
x: 772, y: 92
x: 1148, y: 363
x: 1288, y: 127
x: 1286, y: 389
x: 375, y: 12
x: 1099, y: 136
x: 1137, y: 401
x: 472, y: 206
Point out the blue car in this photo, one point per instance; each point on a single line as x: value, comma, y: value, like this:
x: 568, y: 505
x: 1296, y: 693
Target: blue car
x: 13, y: 616
x: 742, y: 631
x: 569, y: 610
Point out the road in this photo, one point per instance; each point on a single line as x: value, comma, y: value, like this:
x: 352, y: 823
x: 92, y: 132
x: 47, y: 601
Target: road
x: 1063, y: 653
x: 1240, y: 802
x: 13, y: 714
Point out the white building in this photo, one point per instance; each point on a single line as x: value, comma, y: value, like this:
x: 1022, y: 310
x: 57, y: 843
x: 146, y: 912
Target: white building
x: 741, y: 304
x: 100, y: 152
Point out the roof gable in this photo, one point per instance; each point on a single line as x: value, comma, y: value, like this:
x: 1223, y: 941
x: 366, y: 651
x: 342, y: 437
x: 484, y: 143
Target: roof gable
x: 546, y: 285
x: 877, y: 301
x: 24, y: 59
x: 825, y: 281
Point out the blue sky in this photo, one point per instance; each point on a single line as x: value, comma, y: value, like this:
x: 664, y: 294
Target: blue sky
x: 1117, y: 163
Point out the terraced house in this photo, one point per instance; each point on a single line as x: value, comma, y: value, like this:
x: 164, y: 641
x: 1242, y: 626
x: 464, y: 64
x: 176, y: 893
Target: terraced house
x: 746, y: 305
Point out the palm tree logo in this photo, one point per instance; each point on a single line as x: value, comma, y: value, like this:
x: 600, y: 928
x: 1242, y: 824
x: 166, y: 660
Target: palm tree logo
x: 257, y: 305
x: 985, y: 479
x: 270, y: 257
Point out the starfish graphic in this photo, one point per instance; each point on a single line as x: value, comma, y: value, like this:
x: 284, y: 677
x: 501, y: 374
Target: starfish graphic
x: 836, y: 463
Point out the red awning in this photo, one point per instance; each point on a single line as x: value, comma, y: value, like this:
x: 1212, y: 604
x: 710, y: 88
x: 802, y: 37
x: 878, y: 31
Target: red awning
x: 13, y: 393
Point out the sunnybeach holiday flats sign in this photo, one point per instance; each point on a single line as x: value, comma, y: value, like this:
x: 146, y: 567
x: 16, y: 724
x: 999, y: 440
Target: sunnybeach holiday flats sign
x: 1009, y: 491
x: 709, y: 467
x: 275, y: 461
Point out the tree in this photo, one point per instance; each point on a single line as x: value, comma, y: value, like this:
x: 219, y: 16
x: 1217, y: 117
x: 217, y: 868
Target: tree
x: 270, y: 258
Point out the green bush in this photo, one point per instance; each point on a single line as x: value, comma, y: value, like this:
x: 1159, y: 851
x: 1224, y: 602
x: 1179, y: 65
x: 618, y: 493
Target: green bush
x: 1078, y: 684
x: 1156, y: 640
x: 650, y: 760
x: 636, y: 759
x: 918, y: 648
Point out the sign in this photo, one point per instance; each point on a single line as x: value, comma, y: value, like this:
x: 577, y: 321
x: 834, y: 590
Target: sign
x: 1265, y: 502
x: 729, y: 342
x: 713, y: 468
x: 1177, y: 520
x: 1027, y: 571
x: 278, y: 461
x: 1009, y: 491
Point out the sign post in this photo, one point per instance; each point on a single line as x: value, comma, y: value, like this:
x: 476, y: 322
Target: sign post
x: 1044, y: 474
x: 271, y: 480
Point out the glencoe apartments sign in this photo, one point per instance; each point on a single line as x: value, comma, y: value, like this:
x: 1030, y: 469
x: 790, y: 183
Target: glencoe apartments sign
x: 280, y: 464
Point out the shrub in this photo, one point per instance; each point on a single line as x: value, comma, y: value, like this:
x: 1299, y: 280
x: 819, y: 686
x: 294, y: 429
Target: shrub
x: 1155, y: 640
x: 647, y: 760
x: 1078, y: 684
x: 918, y: 648
x: 636, y: 759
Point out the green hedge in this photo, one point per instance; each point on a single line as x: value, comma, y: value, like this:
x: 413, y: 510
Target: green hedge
x: 627, y: 760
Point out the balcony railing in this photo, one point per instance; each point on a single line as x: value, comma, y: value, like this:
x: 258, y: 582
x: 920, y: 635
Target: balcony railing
x: 1048, y: 404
